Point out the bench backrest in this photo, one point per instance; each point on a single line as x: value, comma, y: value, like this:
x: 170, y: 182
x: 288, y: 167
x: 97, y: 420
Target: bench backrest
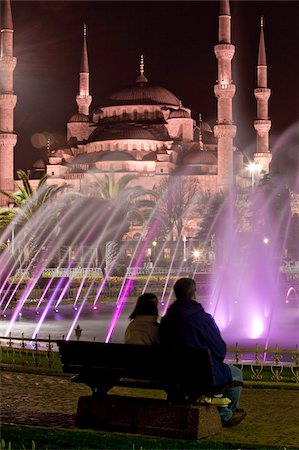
x: 137, y: 361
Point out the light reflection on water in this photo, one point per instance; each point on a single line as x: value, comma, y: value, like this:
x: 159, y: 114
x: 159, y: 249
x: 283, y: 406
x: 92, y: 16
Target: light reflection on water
x: 95, y: 324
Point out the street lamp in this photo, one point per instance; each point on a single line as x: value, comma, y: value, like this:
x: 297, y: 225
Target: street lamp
x: 154, y: 249
x: 196, y: 254
x: 254, y: 168
x: 184, y: 243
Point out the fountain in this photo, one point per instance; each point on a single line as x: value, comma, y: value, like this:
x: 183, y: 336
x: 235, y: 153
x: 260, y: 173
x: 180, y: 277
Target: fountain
x: 247, y: 294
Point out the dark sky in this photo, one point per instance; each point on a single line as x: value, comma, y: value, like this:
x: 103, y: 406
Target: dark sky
x: 177, y: 40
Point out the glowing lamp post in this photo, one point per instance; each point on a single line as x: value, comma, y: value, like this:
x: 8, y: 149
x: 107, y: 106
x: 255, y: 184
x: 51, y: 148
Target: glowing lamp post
x: 253, y: 168
x: 184, y: 248
x: 196, y: 255
x: 154, y: 249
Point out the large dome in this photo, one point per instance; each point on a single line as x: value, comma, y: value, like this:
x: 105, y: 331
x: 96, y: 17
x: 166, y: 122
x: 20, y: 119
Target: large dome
x: 144, y: 94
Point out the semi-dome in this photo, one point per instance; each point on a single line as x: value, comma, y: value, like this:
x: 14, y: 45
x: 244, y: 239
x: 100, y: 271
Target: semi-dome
x: 201, y: 157
x: 144, y: 94
x: 127, y: 131
x: 179, y: 114
x: 39, y: 164
x: 79, y: 117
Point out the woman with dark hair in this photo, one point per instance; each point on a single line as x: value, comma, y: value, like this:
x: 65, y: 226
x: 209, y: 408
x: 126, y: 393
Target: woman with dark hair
x: 144, y: 327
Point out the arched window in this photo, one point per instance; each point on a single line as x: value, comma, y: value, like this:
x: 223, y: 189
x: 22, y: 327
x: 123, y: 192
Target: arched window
x: 135, y: 116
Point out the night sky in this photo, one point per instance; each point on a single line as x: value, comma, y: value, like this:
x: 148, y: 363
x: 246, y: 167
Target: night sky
x: 177, y: 40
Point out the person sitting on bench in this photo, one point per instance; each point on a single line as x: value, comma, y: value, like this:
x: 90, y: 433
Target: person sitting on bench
x: 144, y: 327
x: 187, y: 325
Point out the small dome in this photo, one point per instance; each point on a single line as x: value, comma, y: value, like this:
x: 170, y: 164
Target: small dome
x: 79, y: 117
x: 162, y: 150
x: 179, y: 114
x: 150, y: 157
x: 206, y: 127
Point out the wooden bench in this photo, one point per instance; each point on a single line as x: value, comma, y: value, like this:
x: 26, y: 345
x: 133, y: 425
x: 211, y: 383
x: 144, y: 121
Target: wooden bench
x: 184, y: 375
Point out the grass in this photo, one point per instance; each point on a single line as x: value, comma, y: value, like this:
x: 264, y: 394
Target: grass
x: 51, y: 438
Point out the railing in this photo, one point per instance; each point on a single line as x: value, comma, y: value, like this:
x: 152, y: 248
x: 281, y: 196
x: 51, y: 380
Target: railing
x: 153, y: 271
x: 258, y: 364
x: 63, y: 272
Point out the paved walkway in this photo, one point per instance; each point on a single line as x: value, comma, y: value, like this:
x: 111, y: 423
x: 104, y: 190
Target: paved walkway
x: 272, y: 414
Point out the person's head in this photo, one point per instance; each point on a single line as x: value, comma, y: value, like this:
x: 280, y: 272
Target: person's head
x: 146, y: 305
x: 185, y: 288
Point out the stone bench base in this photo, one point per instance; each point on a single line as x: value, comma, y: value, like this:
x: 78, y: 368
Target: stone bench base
x: 147, y: 416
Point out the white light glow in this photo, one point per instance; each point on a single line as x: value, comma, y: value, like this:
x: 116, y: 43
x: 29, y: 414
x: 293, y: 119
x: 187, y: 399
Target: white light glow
x: 256, y: 327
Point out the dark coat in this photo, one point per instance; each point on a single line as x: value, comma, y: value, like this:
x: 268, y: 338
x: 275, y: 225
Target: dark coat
x: 187, y: 324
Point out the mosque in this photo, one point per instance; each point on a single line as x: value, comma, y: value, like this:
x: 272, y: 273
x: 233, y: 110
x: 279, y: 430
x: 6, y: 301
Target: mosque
x: 142, y: 129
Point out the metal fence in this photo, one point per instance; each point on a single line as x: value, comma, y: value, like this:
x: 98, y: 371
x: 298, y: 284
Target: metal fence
x: 258, y: 364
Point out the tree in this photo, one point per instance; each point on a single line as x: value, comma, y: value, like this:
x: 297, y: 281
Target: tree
x: 271, y: 210
x: 179, y: 199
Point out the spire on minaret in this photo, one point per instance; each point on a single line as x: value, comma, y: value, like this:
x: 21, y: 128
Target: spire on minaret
x: 83, y: 99
x: 224, y: 8
x: 262, y: 51
x: 84, y: 67
x: 141, y: 79
x: 224, y: 27
x: 262, y: 124
x: 6, y: 16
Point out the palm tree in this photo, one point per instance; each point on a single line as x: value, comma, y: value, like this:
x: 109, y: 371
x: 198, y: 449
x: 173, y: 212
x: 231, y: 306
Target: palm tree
x: 26, y: 202
x: 136, y: 203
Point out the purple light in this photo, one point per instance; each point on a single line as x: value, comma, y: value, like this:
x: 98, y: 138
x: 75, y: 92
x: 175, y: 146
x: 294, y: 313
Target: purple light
x: 129, y: 283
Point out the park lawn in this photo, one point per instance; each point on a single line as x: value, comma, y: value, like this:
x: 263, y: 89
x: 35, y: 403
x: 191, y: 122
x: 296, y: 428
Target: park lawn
x: 21, y: 437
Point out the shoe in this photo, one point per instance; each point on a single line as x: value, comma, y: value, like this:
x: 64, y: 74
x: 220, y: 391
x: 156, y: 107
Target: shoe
x: 236, y: 418
x: 222, y: 402
x: 239, y: 410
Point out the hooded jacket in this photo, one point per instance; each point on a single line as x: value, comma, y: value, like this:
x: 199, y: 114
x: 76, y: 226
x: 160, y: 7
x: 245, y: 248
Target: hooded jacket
x: 186, y: 324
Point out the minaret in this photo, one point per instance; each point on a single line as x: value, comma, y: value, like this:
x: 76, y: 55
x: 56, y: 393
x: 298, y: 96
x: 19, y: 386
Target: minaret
x: 83, y: 99
x: 262, y: 124
x: 8, y: 100
x: 224, y: 90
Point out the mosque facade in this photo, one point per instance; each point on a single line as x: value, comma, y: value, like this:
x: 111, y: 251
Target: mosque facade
x: 143, y: 129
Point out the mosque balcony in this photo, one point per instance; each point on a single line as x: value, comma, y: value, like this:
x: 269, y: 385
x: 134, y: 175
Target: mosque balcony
x: 224, y: 90
x: 8, y: 139
x: 8, y: 63
x: 8, y: 101
x: 262, y: 126
x: 224, y: 51
x: 262, y: 93
x: 84, y: 100
x: 225, y: 130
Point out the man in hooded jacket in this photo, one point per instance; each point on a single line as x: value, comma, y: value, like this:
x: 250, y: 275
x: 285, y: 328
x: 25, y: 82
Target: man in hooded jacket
x: 186, y: 324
